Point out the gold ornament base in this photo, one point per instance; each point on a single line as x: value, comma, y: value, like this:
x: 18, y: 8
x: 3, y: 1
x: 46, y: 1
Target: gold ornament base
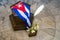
x: 33, y: 30
x: 32, y: 34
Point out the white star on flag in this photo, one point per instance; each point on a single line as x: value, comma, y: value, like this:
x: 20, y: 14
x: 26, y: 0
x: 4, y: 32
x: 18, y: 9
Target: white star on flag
x: 19, y: 5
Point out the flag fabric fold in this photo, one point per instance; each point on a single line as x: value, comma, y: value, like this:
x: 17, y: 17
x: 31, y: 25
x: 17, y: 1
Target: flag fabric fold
x: 22, y: 10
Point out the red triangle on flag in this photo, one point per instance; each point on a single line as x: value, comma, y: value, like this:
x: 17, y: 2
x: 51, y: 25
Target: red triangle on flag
x: 20, y: 6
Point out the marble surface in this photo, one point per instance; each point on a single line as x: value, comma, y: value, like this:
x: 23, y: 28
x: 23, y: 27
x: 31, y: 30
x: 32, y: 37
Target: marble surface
x: 49, y: 18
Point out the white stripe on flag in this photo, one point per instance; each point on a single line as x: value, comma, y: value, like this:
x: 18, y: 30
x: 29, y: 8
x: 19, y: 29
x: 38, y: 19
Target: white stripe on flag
x: 27, y: 10
x: 22, y: 13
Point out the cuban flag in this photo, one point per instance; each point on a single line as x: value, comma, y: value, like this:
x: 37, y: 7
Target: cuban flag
x: 22, y: 10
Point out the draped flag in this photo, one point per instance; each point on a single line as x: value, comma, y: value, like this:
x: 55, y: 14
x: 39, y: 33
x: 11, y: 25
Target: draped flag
x: 23, y: 11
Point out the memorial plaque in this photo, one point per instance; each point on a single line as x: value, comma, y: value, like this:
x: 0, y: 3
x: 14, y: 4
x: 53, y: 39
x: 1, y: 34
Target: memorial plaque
x: 17, y: 23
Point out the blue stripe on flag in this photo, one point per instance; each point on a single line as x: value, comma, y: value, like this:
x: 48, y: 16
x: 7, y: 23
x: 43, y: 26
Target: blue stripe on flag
x: 28, y: 7
x: 27, y: 14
